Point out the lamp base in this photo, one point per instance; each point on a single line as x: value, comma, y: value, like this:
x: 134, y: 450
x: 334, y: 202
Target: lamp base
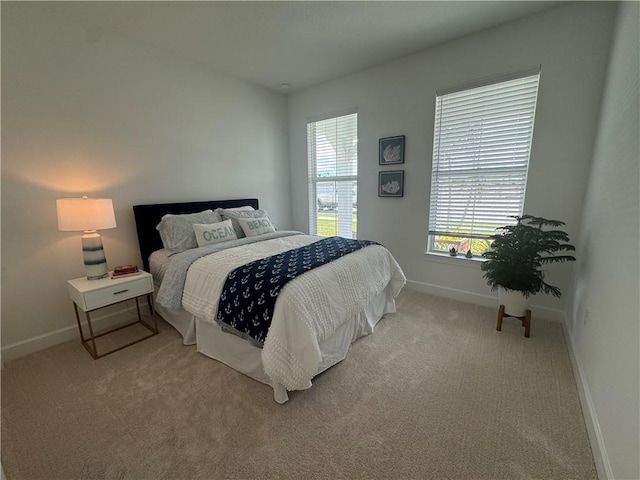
x: 95, y: 262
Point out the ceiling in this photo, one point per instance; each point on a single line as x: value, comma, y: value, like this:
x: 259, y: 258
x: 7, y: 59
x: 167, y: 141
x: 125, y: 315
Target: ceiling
x: 300, y: 43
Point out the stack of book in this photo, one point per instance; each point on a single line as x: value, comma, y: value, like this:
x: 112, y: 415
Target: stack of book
x: 124, y: 270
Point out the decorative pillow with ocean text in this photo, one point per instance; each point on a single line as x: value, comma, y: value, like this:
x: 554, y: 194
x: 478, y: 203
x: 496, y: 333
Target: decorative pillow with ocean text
x: 214, y: 233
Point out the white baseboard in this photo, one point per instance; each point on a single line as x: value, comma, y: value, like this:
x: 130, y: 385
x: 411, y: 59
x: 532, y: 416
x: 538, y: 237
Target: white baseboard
x: 461, y: 295
x: 547, y: 313
x: 600, y: 457
x: 32, y: 345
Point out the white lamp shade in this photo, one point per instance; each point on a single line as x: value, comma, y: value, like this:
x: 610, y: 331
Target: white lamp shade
x: 88, y: 215
x: 82, y: 214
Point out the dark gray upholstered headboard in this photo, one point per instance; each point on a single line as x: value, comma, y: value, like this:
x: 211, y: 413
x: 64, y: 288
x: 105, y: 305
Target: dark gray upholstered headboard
x: 148, y: 216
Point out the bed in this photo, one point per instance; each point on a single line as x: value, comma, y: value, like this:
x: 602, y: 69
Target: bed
x: 315, y: 318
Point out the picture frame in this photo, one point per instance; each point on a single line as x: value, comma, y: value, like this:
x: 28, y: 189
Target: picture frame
x: 391, y: 150
x: 391, y: 183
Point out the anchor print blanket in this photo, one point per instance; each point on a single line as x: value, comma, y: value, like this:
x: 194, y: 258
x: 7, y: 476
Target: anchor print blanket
x: 250, y: 292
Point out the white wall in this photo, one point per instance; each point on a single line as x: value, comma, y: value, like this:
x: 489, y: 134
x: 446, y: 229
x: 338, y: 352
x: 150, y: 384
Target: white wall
x: 570, y: 42
x: 115, y: 119
x: 606, y: 345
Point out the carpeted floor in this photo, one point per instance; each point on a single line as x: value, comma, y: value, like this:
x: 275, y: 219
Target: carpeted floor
x: 436, y: 392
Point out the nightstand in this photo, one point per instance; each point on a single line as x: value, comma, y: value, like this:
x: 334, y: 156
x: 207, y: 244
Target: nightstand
x: 90, y: 295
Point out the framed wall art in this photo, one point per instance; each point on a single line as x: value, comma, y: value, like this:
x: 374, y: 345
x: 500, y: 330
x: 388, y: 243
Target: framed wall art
x: 391, y: 183
x: 391, y: 150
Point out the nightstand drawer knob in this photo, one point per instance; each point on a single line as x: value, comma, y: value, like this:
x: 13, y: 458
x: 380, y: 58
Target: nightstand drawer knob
x: 121, y: 291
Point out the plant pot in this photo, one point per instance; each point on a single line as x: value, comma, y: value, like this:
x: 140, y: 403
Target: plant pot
x: 515, y: 303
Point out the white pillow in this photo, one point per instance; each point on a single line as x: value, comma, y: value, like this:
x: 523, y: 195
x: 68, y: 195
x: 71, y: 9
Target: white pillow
x: 256, y: 226
x: 214, y: 233
x: 246, y: 208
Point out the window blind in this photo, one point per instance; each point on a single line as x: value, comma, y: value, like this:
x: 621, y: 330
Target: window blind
x: 332, y: 149
x: 481, y: 147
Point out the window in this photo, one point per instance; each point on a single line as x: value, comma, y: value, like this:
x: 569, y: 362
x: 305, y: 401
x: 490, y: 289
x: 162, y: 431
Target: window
x: 481, y: 146
x: 332, y: 149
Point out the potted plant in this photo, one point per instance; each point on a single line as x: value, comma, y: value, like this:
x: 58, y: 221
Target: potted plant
x: 516, y: 259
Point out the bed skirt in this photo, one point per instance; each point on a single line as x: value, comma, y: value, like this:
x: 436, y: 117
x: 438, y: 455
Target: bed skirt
x: 181, y: 320
x: 246, y: 358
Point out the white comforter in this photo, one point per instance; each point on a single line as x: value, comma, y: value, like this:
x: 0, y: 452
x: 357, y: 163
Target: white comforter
x: 309, y: 308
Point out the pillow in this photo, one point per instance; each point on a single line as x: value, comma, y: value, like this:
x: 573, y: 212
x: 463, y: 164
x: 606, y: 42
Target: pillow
x: 246, y: 208
x: 177, y: 232
x: 256, y: 226
x: 214, y: 233
x: 234, y: 215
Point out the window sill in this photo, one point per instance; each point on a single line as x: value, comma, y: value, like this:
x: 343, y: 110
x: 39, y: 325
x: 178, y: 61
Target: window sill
x: 458, y: 261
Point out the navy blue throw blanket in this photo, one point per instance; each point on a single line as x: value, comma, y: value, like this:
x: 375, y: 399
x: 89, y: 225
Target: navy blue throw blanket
x: 249, y: 294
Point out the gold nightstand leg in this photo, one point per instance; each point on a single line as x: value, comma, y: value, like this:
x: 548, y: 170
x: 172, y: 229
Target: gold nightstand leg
x: 94, y: 351
x: 153, y: 329
x: 138, y: 308
x: 92, y: 337
x: 152, y: 307
x: 75, y: 307
x: 84, y: 341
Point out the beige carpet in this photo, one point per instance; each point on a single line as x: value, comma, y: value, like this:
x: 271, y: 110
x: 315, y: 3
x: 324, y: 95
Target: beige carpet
x: 435, y: 392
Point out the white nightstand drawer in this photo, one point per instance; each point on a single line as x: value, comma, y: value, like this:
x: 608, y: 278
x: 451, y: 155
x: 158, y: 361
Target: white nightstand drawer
x: 92, y: 294
x: 116, y: 293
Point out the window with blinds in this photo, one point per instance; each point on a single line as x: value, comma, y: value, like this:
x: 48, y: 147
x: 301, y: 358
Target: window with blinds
x: 481, y: 147
x: 332, y: 150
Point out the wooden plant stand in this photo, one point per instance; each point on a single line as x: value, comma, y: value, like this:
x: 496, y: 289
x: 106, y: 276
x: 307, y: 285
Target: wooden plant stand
x: 526, y: 320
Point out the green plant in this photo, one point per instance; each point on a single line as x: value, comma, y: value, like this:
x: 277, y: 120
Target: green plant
x: 519, y: 252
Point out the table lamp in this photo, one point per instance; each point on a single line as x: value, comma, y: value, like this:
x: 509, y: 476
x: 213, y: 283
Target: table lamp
x: 88, y: 215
